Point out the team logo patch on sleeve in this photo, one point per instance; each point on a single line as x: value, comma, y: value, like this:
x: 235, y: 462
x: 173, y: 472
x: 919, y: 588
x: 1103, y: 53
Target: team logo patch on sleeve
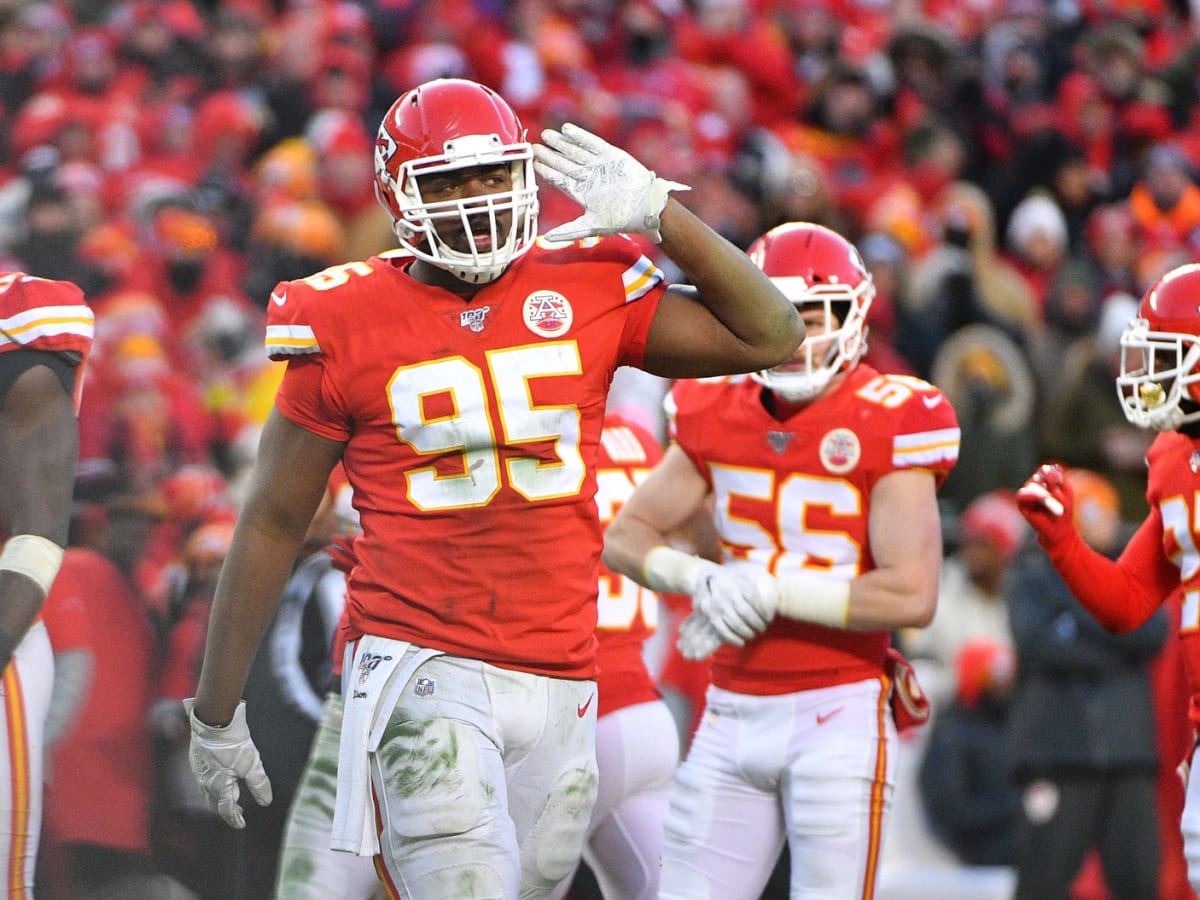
x: 547, y: 313
x: 840, y: 451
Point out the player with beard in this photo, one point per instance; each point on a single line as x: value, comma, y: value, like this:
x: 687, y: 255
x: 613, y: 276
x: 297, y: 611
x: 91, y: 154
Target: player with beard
x: 462, y: 381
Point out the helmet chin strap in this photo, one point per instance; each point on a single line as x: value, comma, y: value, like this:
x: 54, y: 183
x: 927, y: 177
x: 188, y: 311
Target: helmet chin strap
x: 475, y: 276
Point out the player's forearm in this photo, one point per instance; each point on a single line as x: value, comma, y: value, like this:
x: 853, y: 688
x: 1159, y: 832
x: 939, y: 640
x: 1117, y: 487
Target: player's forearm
x: 626, y: 545
x: 733, y: 288
x: 1119, y: 599
x: 880, y: 600
x: 252, y: 581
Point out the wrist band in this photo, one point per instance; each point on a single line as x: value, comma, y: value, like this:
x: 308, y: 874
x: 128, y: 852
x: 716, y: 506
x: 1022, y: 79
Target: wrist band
x: 37, y: 558
x: 668, y: 569
x: 812, y: 599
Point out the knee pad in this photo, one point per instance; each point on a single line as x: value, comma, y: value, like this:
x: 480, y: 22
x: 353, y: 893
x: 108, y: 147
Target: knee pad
x: 554, y: 844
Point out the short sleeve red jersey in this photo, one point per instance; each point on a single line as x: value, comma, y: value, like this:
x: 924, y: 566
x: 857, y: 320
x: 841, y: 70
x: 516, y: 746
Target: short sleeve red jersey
x: 627, y: 612
x: 471, y: 431
x: 795, y: 495
x: 41, y: 314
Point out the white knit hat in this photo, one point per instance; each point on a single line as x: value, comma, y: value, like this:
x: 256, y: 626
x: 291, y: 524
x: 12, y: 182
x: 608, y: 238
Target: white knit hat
x: 1035, y: 213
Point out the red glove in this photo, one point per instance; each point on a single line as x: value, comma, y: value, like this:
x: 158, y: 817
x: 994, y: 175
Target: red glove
x: 341, y: 551
x: 1048, y: 504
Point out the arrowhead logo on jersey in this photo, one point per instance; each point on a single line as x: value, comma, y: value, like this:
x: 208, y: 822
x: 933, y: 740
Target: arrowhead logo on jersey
x: 779, y: 440
x: 840, y: 451
x: 473, y: 318
x: 278, y: 299
x: 547, y: 313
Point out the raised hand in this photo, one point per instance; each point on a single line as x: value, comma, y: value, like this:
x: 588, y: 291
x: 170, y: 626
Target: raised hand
x: 617, y: 193
x: 1048, y: 503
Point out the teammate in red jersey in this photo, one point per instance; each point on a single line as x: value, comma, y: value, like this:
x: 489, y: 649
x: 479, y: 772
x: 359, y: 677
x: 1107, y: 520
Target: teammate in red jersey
x: 1159, y: 389
x: 462, y: 381
x: 46, y: 330
x: 637, y: 745
x: 824, y: 475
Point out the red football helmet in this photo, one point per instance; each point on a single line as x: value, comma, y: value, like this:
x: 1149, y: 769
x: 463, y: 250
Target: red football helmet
x: 1159, y: 384
x: 446, y: 124
x: 816, y: 267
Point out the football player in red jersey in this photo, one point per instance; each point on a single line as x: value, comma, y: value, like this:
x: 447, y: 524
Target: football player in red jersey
x: 462, y: 381
x: 637, y: 743
x: 824, y: 474
x: 46, y: 330
x: 1159, y: 389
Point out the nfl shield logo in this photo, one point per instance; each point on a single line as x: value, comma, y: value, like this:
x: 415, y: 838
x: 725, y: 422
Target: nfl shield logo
x: 473, y: 318
x: 424, y: 687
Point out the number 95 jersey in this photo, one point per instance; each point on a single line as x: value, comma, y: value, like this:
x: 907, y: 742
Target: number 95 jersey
x: 795, y: 496
x: 471, y: 429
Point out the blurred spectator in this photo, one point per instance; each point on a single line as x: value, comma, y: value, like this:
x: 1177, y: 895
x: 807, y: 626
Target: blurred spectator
x: 1072, y: 313
x: 990, y: 382
x: 886, y: 261
x: 189, y: 497
x: 1111, y: 249
x: 1083, y: 424
x: 970, y: 604
x: 96, y: 834
x: 346, y: 181
x: 970, y: 801
x: 1082, y: 737
x: 1165, y: 201
x: 143, y: 418
x: 49, y: 244
x: 844, y: 130
x: 191, y: 843
x: 185, y: 265
x: 962, y: 280
x: 1037, y: 242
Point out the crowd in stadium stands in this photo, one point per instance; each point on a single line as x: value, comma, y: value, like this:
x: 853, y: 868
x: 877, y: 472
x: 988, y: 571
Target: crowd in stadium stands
x: 1015, y: 173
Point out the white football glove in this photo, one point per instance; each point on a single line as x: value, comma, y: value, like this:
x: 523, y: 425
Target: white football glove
x: 733, y: 604
x: 697, y: 638
x: 219, y: 757
x: 617, y: 193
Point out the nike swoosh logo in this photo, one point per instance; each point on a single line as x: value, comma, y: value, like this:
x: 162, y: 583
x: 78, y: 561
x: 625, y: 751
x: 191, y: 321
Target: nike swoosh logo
x: 278, y: 299
x: 931, y: 401
x: 581, y: 711
x: 822, y: 718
